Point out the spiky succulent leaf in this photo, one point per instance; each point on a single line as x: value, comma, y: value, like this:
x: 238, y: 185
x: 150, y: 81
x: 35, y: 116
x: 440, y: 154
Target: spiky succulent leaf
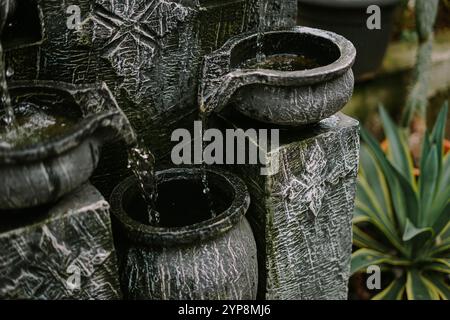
x: 402, y: 194
x: 398, y: 148
x: 442, y: 288
x: 363, y: 240
x: 394, y: 291
x: 427, y: 185
x: 438, y: 134
x: 364, y: 258
x: 411, y: 216
x: 370, y: 170
x: 364, y: 213
x: 411, y: 231
x: 418, y: 287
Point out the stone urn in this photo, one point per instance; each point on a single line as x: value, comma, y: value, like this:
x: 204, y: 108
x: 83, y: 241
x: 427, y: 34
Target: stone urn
x: 41, y: 172
x: 293, y: 97
x: 190, y: 255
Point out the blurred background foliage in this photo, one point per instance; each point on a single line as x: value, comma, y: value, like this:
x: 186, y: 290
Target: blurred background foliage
x: 402, y: 206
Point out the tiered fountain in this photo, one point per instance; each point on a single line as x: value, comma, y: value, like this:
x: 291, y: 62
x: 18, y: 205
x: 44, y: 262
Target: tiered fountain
x: 181, y: 233
x: 55, y: 229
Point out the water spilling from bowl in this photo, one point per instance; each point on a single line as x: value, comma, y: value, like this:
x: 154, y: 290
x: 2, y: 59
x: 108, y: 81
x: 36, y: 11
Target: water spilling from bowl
x: 205, y: 111
x: 142, y: 162
x: 34, y: 124
x: 6, y: 109
x: 262, y: 10
x: 204, y: 117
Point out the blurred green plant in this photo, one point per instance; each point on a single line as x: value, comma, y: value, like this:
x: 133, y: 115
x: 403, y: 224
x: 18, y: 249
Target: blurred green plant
x: 416, y: 104
x: 401, y: 221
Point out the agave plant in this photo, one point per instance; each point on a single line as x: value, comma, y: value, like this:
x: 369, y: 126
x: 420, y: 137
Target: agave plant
x: 401, y: 221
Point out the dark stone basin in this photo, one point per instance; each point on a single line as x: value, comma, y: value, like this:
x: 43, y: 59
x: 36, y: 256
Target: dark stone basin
x: 186, y: 222
x: 190, y: 255
x: 291, y: 98
x: 41, y: 172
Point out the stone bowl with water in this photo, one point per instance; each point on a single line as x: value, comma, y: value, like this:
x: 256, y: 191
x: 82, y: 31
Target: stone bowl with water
x: 293, y: 77
x: 192, y: 253
x: 54, y: 144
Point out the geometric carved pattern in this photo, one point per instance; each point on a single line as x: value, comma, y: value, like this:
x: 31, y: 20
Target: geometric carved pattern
x: 130, y: 33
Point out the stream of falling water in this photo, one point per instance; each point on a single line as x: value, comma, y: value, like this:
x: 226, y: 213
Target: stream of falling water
x: 205, y: 112
x: 262, y: 12
x: 6, y: 109
x: 204, y: 175
x: 142, y: 162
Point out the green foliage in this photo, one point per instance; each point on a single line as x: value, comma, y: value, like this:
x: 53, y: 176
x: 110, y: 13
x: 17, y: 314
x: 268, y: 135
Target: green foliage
x: 426, y: 12
x: 401, y: 222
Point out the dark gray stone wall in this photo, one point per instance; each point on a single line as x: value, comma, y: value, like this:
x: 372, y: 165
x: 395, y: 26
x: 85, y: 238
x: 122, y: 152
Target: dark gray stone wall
x: 148, y: 52
x: 44, y: 250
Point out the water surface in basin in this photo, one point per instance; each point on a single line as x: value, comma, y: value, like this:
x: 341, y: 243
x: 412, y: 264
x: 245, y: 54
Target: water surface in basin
x: 180, y: 202
x: 34, y: 124
x: 282, y: 62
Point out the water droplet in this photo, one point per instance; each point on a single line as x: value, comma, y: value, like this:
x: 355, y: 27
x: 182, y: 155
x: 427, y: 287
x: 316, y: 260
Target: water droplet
x: 9, y: 72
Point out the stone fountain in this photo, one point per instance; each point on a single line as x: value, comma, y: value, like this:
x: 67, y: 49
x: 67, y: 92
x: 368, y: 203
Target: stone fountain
x: 52, y: 220
x: 162, y: 60
x: 55, y: 229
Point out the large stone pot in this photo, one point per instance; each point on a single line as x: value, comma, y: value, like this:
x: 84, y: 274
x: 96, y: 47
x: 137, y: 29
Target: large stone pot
x: 349, y: 18
x: 292, y: 98
x: 40, y: 173
x: 191, y: 255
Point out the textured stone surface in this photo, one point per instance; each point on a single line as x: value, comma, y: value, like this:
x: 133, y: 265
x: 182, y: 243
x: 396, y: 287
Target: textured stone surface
x: 43, y: 172
x: 224, y: 268
x: 43, y: 253
x: 286, y: 98
x: 211, y: 258
x: 301, y: 216
x: 149, y: 52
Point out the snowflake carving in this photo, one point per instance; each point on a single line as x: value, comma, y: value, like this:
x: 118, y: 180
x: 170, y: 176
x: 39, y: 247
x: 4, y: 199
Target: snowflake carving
x: 130, y: 34
x: 309, y: 188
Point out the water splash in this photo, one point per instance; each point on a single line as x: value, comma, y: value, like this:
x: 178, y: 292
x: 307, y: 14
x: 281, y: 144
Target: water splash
x: 34, y: 124
x: 204, y: 174
x: 6, y: 109
x: 142, y: 162
x: 9, y: 72
x: 262, y: 13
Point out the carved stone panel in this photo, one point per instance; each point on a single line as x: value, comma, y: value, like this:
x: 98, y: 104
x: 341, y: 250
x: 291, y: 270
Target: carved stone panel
x: 302, y: 215
x: 63, y: 251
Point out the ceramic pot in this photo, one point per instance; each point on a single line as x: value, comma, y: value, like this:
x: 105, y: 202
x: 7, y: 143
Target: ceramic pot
x: 40, y: 173
x: 190, y: 255
x: 292, y: 98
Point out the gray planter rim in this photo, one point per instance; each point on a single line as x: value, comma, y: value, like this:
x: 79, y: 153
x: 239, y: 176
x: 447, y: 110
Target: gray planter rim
x: 89, y: 123
x: 294, y: 78
x: 349, y: 3
x: 205, y: 230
